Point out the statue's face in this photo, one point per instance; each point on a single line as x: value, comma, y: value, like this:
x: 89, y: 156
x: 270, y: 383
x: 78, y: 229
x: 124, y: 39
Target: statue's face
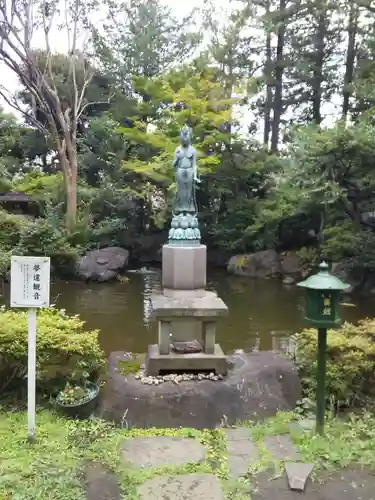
x: 185, y: 137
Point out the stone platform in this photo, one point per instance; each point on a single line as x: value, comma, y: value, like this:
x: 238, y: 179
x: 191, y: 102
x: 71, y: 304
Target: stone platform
x: 158, y: 363
x: 257, y: 386
x: 187, y: 315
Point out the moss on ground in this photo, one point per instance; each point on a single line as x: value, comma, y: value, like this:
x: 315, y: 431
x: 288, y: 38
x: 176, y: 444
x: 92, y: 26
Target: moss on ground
x: 52, y: 466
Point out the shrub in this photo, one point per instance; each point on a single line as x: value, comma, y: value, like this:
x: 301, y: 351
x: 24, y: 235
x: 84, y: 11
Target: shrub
x: 4, y: 263
x: 10, y: 228
x: 46, y: 237
x: 350, y: 362
x: 64, y: 349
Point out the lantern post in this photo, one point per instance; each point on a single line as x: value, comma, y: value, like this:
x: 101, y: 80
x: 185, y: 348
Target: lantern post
x: 322, y: 312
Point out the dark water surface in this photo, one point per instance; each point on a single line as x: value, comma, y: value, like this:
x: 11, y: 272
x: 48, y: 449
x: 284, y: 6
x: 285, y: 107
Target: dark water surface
x: 262, y: 313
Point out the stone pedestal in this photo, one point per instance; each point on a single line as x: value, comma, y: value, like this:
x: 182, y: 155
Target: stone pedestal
x: 182, y: 318
x: 158, y: 363
x: 184, y: 268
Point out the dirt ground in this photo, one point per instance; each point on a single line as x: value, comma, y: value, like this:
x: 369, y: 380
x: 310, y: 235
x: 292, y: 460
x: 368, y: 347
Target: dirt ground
x: 347, y: 484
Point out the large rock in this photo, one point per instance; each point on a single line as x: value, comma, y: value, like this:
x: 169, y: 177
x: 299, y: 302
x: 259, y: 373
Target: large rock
x: 344, y: 272
x: 291, y: 265
x: 103, y: 264
x: 265, y: 264
x: 257, y: 386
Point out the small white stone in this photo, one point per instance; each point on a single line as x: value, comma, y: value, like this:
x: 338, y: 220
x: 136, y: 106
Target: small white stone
x: 144, y: 380
x: 200, y: 376
x: 137, y: 376
x: 150, y: 382
x: 176, y: 381
x: 220, y: 377
x: 215, y: 378
x: 211, y: 374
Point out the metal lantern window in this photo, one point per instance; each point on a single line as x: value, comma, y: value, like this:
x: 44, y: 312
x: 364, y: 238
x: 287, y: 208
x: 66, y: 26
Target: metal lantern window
x: 323, y: 298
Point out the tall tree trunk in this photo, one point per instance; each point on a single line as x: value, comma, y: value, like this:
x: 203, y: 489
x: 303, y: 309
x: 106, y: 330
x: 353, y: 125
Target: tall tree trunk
x: 350, y: 58
x: 268, y: 75
x: 68, y: 162
x: 319, y: 47
x: 279, y: 70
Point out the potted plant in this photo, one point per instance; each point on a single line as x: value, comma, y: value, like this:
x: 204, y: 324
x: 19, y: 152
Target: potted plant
x: 79, y: 397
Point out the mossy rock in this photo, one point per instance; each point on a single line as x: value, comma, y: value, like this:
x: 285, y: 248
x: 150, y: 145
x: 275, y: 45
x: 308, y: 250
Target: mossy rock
x: 130, y: 366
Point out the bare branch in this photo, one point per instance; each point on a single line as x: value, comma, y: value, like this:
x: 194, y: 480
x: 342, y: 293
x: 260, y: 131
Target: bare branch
x: 94, y: 103
x: 12, y: 102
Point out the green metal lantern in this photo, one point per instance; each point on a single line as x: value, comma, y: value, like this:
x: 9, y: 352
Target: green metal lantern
x: 323, y: 298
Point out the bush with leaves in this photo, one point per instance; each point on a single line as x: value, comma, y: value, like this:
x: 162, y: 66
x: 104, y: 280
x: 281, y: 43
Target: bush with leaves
x: 64, y: 349
x: 350, y: 363
x: 48, y: 237
x: 10, y: 229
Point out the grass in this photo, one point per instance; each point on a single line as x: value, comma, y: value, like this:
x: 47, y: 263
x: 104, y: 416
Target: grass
x: 51, y: 467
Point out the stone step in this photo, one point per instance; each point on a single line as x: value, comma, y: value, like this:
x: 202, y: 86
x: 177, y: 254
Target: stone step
x: 184, y: 487
x: 161, y: 451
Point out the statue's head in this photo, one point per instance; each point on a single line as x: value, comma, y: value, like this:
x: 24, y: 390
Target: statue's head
x: 186, y: 135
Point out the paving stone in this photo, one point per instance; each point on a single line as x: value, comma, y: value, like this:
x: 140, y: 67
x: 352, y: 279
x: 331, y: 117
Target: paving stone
x: 238, y: 433
x: 281, y: 447
x: 100, y: 483
x: 186, y: 487
x: 161, y: 451
x: 242, y: 451
x: 297, y: 474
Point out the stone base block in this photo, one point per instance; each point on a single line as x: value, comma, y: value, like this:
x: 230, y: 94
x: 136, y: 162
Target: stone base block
x: 173, y: 362
x: 184, y: 268
x: 207, y: 306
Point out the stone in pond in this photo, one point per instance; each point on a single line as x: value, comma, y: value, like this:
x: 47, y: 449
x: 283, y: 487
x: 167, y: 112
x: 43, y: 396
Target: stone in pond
x: 103, y: 264
x: 186, y: 487
x: 297, y: 474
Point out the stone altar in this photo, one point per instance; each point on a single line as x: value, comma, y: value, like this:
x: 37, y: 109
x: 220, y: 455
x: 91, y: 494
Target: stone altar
x: 185, y: 311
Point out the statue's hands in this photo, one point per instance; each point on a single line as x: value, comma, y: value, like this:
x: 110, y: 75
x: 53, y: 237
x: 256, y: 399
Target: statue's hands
x: 198, y: 181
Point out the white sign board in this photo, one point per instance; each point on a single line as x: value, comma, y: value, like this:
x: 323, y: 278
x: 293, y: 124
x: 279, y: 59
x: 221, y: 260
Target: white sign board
x: 30, y: 282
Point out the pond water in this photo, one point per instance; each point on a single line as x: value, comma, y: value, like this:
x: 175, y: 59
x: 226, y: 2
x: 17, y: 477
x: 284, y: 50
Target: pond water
x: 262, y: 313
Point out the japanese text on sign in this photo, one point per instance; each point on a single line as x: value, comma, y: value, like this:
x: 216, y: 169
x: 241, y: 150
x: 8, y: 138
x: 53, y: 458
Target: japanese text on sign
x: 30, y: 281
x: 327, y: 311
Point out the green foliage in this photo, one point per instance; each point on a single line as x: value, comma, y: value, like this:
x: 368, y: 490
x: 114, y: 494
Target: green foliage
x: 10, y: 228
x: 41, y: 186
x: 351, y: 243
x: 350, y: 362
x: 64, y: 349
x: 308, y: 257
x: 4, y: 263
x: 45, y: 237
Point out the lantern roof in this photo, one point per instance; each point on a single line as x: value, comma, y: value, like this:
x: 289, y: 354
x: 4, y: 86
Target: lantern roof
x: 323, y: 280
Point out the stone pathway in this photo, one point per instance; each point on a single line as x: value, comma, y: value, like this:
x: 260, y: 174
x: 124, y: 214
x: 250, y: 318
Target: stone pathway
x: 166, y: 451
x: 241, y: 450
x: 163, y: 451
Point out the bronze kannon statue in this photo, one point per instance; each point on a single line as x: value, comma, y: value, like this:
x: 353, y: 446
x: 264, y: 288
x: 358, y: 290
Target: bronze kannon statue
x: 185, y: 163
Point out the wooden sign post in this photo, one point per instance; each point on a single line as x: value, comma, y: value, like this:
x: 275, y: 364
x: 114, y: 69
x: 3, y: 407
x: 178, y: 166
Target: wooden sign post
x: 30, y: 288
